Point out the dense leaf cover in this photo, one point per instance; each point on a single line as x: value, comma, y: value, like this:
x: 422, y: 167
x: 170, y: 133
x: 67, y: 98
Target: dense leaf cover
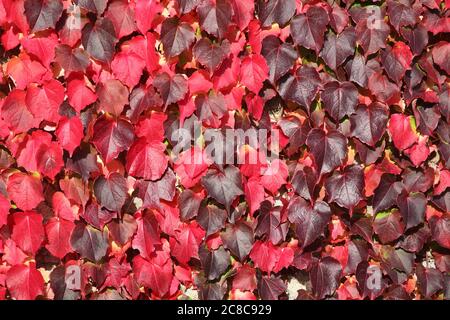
x: 357, y: 93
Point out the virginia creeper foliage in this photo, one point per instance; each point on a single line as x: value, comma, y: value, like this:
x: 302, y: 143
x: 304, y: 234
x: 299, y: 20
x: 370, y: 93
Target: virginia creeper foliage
x: 355, y: 92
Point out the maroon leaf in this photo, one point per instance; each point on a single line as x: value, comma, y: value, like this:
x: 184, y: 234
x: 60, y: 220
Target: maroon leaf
x: 189, y: 204
x: 187, y: 5
x: 328, y: 148
x: 272, y: 223
x: 397, y: 259
x: 304, y: 182
x: 440, y: 231
x: 280, y: 57
x: 209, y: 54
x: 211, y: 218
x: 215, y: 16
x: 402, y: 13
x: 296, y: 131
x: 396, y: 61
x: 90, y: 243
x: 42, y: 14
x: 368, y: 124
x: 275, y: 11
x: 224, y: 186
x: 427, y: 119
x: 339, y: 99
x: 97, y: 216
x: 112, y: 137
x: 172, y: 89
x: 151, y: 192
x: 325, y: 275
x: 412, y: 208
x: 96, y: 6
x: 338, y: 48
x: 441, y: 56
x: 238, y: 238
x: 111, y: 191
x: 214, y: 262
x: 308, y: 29
x: 414, y: 242
x: 386, y: 193
x: 387, y: 226
x: 270, y: 287
x: 310, y: 222
x: 372, y: 38
x: 346, y: 189
x: 71, y: 59
x: 99, y: 40
x: 301, y: 87
x: 122, y: 230
x: 176, y: 37
x: 210, y: 108
x: 430, y: 280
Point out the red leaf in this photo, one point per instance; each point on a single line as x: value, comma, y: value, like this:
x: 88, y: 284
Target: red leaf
x: 25, y: 190
x: 186, y: 242
x: 402, y: 131
x: 58, y: 234
x: 147, y: 235
x: 146, y: 159
x: 70, y: 133
x: 28, y: 232
x: 111, y: 137
x: 254, y: 71
x: 25, y: 282
x: 264, y: 255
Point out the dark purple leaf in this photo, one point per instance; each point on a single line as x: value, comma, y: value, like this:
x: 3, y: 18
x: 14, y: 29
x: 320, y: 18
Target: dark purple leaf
x: 99, y: 40
x: 42, y: 14
x: 238, y: 238
x: 310, y: 222
x: 328, y: 148
x: 271, y: 224
x: 307, y: 29
x: 368, y: 124
x: 388, y: 226
x: 275, y: 11
x: 96, y: 6
x: 189, y: 204
x: 209, y: 54
x: 111, y: 191
x: 90, y: 243
x: 215, y: 16
x: 214, y: 262
x: 325, y: 276
x: 429, y: 280
x: 304, y: 182
x: 224, y: 186
x: 172, y: 89
x: 211, y: 218
x: 346, y: 188
x: 280, y: 57
x: 412, y: 208
x: 176, y: 36
x: 401, y: 13
x: 385, y: 195
x: 270, y: 287
x: 338, y: 48
x: 339, y: 99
